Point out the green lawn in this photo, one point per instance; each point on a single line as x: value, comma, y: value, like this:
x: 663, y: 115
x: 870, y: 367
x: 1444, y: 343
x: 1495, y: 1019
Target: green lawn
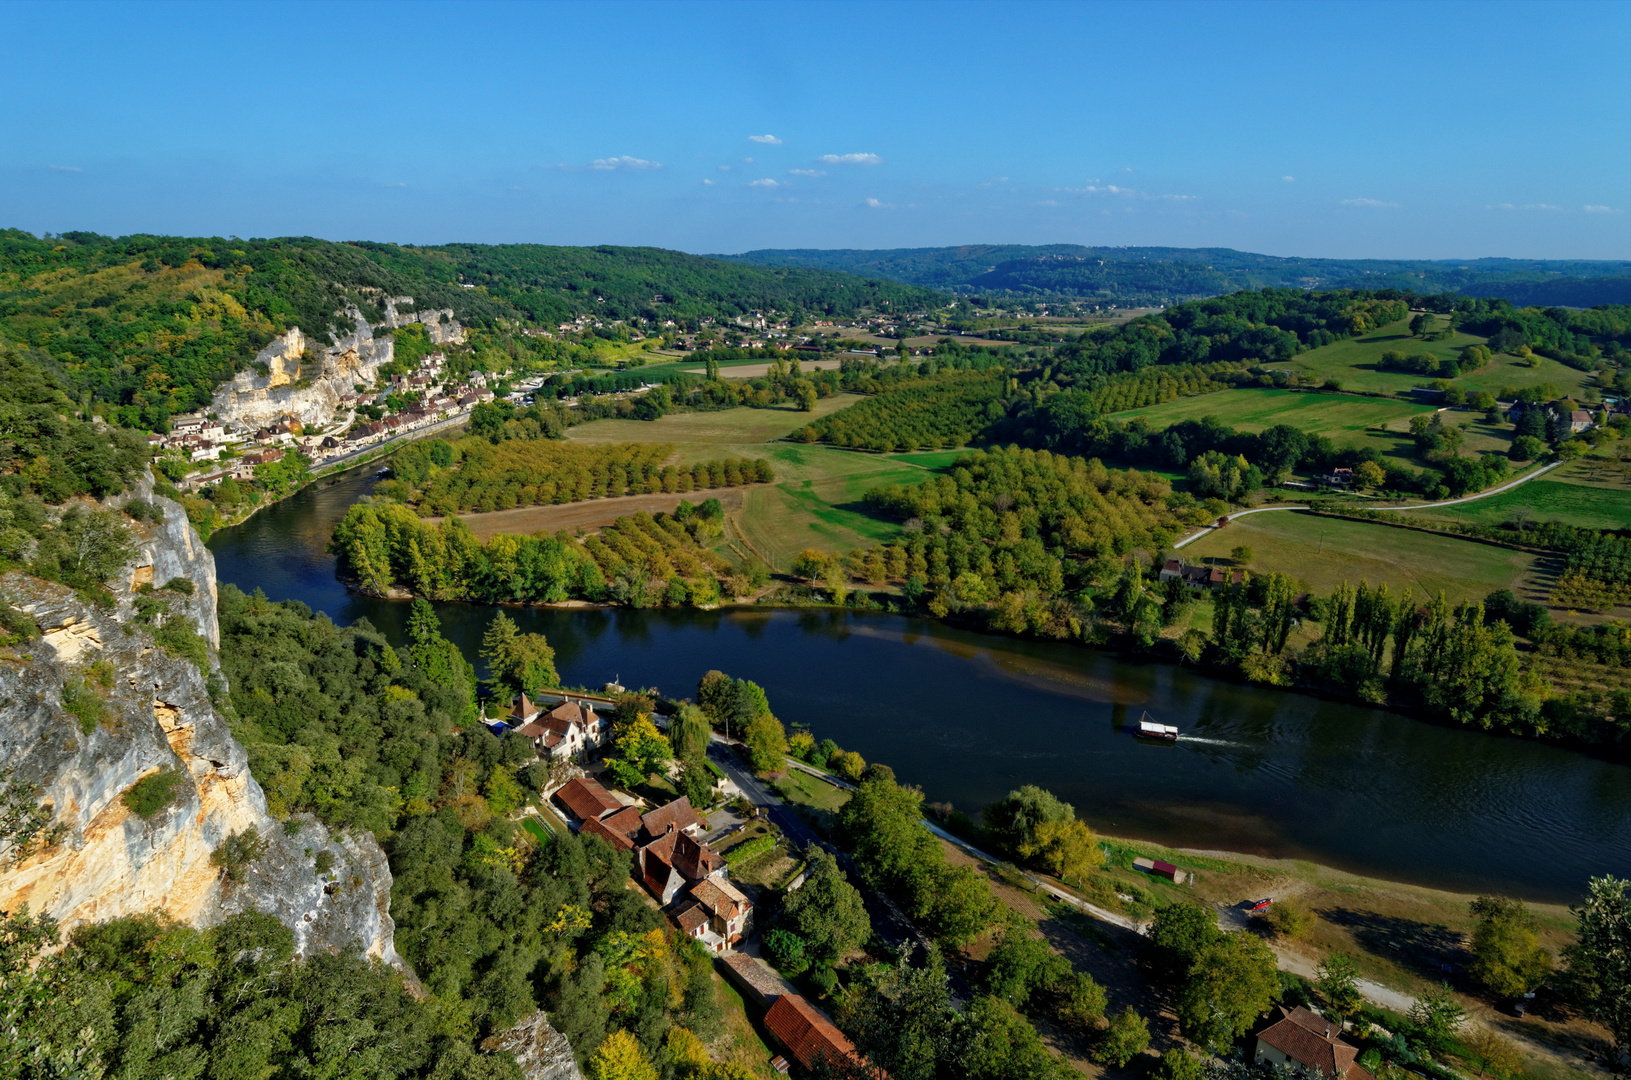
x: 536, y: 828
x: 1322, y: 552
x: 1353, y: 363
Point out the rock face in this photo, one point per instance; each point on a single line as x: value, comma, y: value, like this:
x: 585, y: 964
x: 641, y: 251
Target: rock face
x: 542, y: 1052
x: 112, y: 863
x: 306, y: 381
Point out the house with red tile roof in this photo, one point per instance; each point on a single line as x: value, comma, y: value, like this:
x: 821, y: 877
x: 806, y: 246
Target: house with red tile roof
x: 809, y: 1036
x: 677, y: 814
x: 561, y: 733
x: 618, y: 830
x: 586, y: 800
x: 1301, y: 1037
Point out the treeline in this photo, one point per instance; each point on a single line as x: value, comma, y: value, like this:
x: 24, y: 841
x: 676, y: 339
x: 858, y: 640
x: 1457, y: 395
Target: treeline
x: 639, y: 560
x: 341, y: 724
x: 149, y: 326
x: 475, y: 474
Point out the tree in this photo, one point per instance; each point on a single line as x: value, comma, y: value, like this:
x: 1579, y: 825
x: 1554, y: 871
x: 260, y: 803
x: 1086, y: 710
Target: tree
x: 1526, y: 448
x: 1000, y: 1044
x: 767, y: 744
x: 957, y: 905
x: 1012, y: 820
x: 1021, y: 967
x: 620, y: 1058
x: 1178, y: 1064
x: 1337, y: 980
x: 1423, y: 325
x: 1242, y: 555
x: 1178, y: 935
x: 642, y: 747
x: 1066, y: 849
x: 689, y: 732
x: 1230, y: 984
x: 811, y: 564
x: 827, y: 911
x: 1490, y: 1054
x: 1600, y: 962
x: 1127, y: 1037
x: 1437, y: 1016
x: 1369, y: 475
x: 1507, y: 957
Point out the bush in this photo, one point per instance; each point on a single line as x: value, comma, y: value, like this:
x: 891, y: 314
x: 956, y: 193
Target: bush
x: 787, y: 951
x: 178, y: 638
x: 1180, y: 1064
x: 324, y: 862
x: 238, y: 851
x: 1289, y: 918
x: 151, y: 794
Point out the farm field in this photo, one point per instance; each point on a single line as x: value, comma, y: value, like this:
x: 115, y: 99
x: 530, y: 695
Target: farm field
x: 815, y: 501
x: 753, y: 371
x: 1565, y: 500
x: 1353, y: 363
x: 1323, y: 552
x: 1344, y: 419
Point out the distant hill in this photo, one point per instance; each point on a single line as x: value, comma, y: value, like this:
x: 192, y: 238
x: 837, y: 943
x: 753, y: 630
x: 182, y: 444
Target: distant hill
x: 1156, y: 275
x: 147, y: 326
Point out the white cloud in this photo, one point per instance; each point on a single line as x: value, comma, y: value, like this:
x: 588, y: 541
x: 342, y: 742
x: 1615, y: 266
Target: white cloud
x: 707, y: 183
x: 399, y: 183
x: 1125, y: 169
x: 723, y: 168
x: 1124, y: 192
x: 877, y: 204
x: 852, y: 159
x: 1289, y: 179
x: 1524, y: 206
x: 747, y: 161
x: 768, y: 140
x: 66, y: 168
x: 1373, y: 203
x: 624, y: 162
x: 767, y: 182
x: 1047, y: 202
x: 1599, y: 210
x: 806, y: 172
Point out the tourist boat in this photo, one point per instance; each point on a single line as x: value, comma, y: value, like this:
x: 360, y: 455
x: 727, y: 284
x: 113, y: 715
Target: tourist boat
x: 1149, y: 729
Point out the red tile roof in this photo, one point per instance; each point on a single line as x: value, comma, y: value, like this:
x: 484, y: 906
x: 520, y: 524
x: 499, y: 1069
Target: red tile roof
x: 677, y: 814
x: 586, y: 799
x: 808, y: 1036
x: 596, y: 827
x: 721, y: 897
x: 1311, y: 1040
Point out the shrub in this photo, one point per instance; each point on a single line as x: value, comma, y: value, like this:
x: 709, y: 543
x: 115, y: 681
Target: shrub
x: 787, y: 951
x: 324, y: 862
x: 238, y: 851
x: 1289, y: 918
x: 151, y: 794
x: 848, y: 764
x: 179, y: 585
x: 178, y: 638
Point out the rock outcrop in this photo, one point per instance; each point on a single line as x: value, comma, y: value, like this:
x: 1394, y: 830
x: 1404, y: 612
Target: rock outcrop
x: 161, y: 719
x: 295, y: 377
x: 542, y: 1052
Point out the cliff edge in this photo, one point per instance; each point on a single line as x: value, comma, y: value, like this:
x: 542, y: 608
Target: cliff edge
x: 156, y: 718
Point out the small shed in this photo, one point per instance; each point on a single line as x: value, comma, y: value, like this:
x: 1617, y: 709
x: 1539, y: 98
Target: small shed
x: 1157, y: 868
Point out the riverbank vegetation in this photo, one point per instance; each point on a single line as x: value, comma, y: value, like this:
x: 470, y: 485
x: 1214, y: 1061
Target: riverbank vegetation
x: 1096, y: 994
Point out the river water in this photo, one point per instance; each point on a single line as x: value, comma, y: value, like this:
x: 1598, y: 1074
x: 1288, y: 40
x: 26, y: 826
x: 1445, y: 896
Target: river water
x: 969, y: 716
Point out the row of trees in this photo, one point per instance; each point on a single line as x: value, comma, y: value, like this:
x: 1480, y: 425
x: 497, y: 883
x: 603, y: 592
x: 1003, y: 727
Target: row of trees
x: 945, y: 411
x: 640, y: 560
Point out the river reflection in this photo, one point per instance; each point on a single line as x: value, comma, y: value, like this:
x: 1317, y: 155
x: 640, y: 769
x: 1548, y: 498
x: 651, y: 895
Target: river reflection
x: 968, y: 716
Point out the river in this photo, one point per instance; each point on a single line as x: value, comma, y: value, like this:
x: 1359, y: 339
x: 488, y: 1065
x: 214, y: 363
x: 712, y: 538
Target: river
x: 969, y: 716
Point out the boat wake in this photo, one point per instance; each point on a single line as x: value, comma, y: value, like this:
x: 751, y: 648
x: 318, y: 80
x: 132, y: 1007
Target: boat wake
x: 1213, y: 742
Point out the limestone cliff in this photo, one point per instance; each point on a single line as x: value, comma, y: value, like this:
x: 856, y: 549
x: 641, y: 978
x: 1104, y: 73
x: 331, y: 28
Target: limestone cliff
x: 112, y: 863
x: 294, y: 376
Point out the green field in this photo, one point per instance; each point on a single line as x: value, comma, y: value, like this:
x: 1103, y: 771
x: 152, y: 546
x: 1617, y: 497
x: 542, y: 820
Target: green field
x: 1562, y: 500
x: 815, y: 501
x: 1344, y: 419
x: 1353, y: 363
x: 1323, y: 552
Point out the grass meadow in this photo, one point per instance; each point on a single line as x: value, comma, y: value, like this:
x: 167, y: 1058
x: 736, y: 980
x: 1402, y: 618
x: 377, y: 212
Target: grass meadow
x: 1323, y: 552
x: 1353, y: 363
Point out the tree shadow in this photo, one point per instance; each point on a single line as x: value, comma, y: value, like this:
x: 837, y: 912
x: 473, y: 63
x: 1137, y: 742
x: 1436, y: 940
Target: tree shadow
x: 1433, y: 951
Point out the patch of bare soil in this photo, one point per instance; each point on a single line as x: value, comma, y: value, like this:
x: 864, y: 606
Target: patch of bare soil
x: 592, y: 514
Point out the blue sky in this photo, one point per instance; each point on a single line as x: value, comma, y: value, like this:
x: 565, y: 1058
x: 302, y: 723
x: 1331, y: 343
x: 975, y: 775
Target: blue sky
x: 1433, y: 130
